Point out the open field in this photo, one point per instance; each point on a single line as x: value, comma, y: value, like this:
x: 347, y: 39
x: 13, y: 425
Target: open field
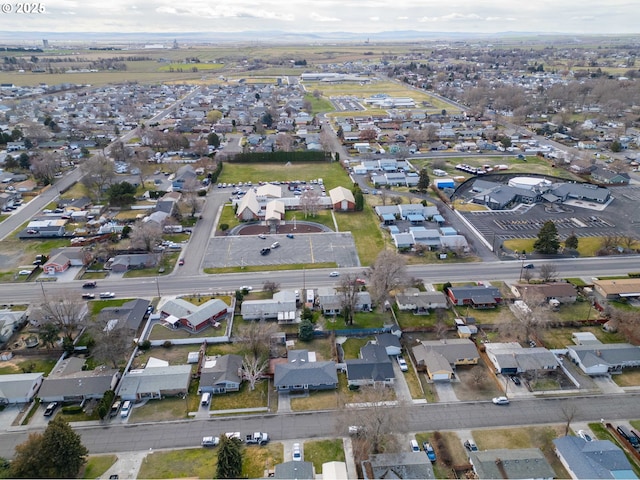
x: 587, y: 246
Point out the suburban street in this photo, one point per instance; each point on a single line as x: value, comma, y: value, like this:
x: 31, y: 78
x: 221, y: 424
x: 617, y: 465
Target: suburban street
x: 420, y: 418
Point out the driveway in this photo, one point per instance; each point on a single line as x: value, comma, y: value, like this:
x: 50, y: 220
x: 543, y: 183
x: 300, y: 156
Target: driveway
x: 445, y: 392
x: 401, y: 387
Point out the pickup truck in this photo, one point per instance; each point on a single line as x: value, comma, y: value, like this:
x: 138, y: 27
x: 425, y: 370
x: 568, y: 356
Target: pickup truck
x: 257, y: 438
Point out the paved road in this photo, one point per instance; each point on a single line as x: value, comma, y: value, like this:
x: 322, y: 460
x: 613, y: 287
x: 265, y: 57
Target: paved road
x: 421, y: 418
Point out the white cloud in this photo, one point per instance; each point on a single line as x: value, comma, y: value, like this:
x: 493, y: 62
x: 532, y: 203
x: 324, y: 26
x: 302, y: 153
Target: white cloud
x: 316, y: 17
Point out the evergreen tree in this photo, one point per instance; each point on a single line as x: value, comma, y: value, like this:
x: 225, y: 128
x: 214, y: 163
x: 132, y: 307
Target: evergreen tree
x: 56, y: 453
x: 229, y: 458
x: 423, y: 180
x: 548, y: 241
x: 213, y: 139
x: 305, y: 331
x: 571, y: 242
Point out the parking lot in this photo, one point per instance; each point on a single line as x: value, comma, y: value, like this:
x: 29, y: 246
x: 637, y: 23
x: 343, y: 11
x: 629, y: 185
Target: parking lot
x: 620, y: 217
x: 244, y: 250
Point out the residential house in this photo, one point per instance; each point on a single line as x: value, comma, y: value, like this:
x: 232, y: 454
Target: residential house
x: 562, y: 292
x: 68, y: 382
x: 178, y: 312
x: 129, y: 315
x: 302, y: 373
x: 511, y: 358
x: 616, y: 289
x: 221, y: 374
x: 184, y: 177
x: 440, y: 357
x: 412, y: 299
x: 518, y: 463
x: 475, y: 296
x: 374, y: 367
x: 10, y: 322
x: 57, y: 263
x: 132, y: 261
x: 155, y: 382
x: 594, y: 359
x: 294, y: 470
x: 334, y: 470
x: 390, y: 342
x: 609, y: 177
x: 342, y: 199
x: 281, y: 307
x: 19, y: 387
x: 330, y: 302
x: 598, y: 459
x: 406, y: 465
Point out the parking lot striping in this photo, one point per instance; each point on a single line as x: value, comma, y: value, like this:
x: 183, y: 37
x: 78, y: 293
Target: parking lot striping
x: 311, y: 250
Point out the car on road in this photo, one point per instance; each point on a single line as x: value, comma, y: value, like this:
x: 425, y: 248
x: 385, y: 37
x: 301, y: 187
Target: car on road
x: 248, y: 288
x: 88, y: 296
x: 210, y: 441
x: 355, y: 429
x: 500, y: 400
x: 181, y: 262
x: 89, y: 285
x: 262, y: 236
x: 403, y: 364
x: 470, y: 445
x: 428, y: 449
x: 50, y: 409
x: 334, y: 274
x: 361, y: 281
x: 515, y: 380
x: 107, y: 295
x: 297, y: 453
x: 24, y: 272
x: 585, y: 436
x: 528, y: 265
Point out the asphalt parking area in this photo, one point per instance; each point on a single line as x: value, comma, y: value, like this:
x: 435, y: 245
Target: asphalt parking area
x: 244, y: 250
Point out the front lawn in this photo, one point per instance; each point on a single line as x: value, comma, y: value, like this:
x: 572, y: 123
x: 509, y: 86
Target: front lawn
x: 245, y: 398
x: 323, y: 451
x: 183, y: 463
x: 96, y: 465
x: 316, y: 400
x: 164, y: 267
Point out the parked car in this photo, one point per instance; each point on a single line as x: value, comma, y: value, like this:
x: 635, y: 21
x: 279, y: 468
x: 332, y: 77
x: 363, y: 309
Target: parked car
x: 585, y: 436
x: 516, y: 380
x: 107, y: 295
x: 297, y: 453
x: 275, y: 245
x: 289, y: 235
x: 262, y: 236
x: 355, y: 429
x: 500, y: 400
x: 115, y: 408
x: 428, y: 449
x: 334, y: 274
x: 50, y: 409
x: 470, y: 445
x: 414, y: 446
x: 126, y: 408
x: 265, y: 251
x: 403, y: 364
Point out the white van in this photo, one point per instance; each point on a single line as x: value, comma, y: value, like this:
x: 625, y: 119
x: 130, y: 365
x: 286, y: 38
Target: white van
x: 126, y: 408
x: 206, y: 399
x: 414, y: 446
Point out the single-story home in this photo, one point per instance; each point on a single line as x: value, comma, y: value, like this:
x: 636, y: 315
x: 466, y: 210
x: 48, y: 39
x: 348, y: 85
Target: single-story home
x: 281, y: 307
x: 19, y: 387
x: 412, y: 299
x: 294, y: 470
x: 619, y: 288
x: 155, y: 382
x: 511, y: 358
x: 302, y: 373
x: 511, y: 463
x: 475, y: 296
x: 68, y: 382
x: 398, y: 465
x: 390, y: 342
x: 595, y: 459
x: 374, y: 367
x: 130, y: 314
x: 131, y: 261
x: 594, y: 359
x: 441, y: 357
x: 563, y: 292
x: 193, y: 317
x: 221, y: 374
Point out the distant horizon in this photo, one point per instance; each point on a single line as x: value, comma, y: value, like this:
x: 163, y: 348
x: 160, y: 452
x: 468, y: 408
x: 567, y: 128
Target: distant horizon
x: 323, y: 17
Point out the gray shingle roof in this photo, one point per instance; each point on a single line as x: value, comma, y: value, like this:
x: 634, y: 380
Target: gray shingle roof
x: 596, y: 459
x: 516, y: 463
x: 305, y: 373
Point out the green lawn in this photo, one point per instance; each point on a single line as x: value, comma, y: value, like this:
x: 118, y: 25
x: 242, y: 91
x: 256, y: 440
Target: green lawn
x: 167, y: 262
x: 323, y: 451
x: 361, y: 320
x: 29, y: 364
x: 183, y: 463
x: 228, y: 217
x: 245, y: 398
x: 353, y: 345
x: 365, y: 231
x: 587, y: 246
x: 318, y: 105
x: 97, y: 464
x: 96, y: 306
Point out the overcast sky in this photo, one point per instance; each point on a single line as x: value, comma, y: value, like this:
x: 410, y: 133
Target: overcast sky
x: 357, y: 16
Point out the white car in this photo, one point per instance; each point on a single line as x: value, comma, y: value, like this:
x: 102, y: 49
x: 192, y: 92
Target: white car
x: 248, y: 288
x: 297, y: 453
x: 24, y: 272
x: 403, y: 364
x: 334, y: 274
x: 500, y: 400
x: 210, y: 441
x: 107, y: 295
x: 585, y: 436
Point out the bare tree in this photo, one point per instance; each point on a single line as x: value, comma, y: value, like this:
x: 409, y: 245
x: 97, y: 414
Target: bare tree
x: 190, y: 195
x: 253, y: 369
x: 98, y: 175
x: 112, y: 340
x: 348, y: 291
x: 271, y: 287
x: 377, y: 422
x: 146, y: 235
x: 45, y: 167
x: 284, y: 142
x: 310, y: 203
x: 548, y: 272
x: 527, y: 274
x: 66, y: 311
x: 256, y: 337
x: 569, y: 411
x: 478, y: 375
x: 388, y: 272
